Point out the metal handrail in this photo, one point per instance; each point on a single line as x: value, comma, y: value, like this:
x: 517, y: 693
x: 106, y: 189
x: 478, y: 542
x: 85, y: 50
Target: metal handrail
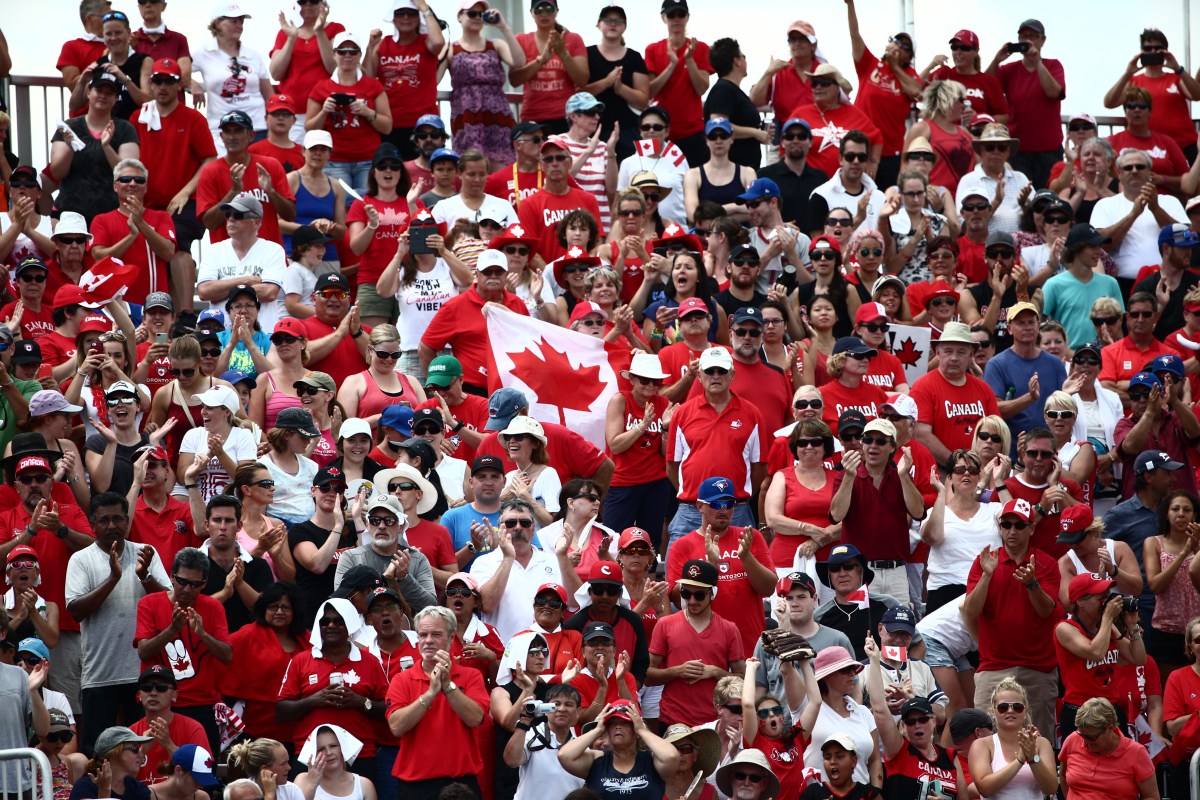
x: 43, y: 779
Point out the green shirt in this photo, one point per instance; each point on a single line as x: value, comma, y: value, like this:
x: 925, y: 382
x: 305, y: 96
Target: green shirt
x: 8, y: 419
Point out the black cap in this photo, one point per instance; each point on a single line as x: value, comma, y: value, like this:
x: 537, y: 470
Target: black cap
x: 747, y: 314
x: 386, y: 152
x: 1084, y: 234
x: 598, y: 630
x: 657, y: 111
x: 1148, y: 460
x: 236, y: 118
x: 381, y: 591
x: 206, y: 335
x: 671, y: 5
x: 1091, y: 347
x: 240, y: 289
x: 479, y: 464
x: 522, y: 128
x: 26, y: 351
x: 745, y: 250
x: 328, y: 475
x: 299, y: 420
x: 966, y: 721
x: 698, y: 572
x: 851, y: 418
x: 334, y: 279
x: 102, y: 78
x: 422, y: 450
x: 610, y: 8
x: 428, y: 415
x: 358, y: 577
x: 157, y: 673
x: 307, y: 235
x: 919, y: 704
x: 899, y: 618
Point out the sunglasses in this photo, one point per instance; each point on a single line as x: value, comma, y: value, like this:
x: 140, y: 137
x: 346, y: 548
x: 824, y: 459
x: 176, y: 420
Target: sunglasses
x: 186, y: 372
x: 539, y: 651
x: 459, y: 591
x: 730, y: 707
x: 26, y: 277
x: 716, y: 371
x: 975, y: 206
x: 718, y: 136
x: 571, y: 269
x: 1039, y: 455
x: 1076, y: 127
x: 1138, y: 396
x: 943, y: 301
x: 752, y: 333
x: 548, y: 602
x: 592, y: 496
x: 1133, y: 167
x: 1137, y: 106
x: 155, y: 687
x: 800, y: 405
x: 1098, y: 321
x: 656, y: 127
x: 138, y: 179
x: 605, y: 590
x: 210, y: 352
x: 823, y: 255
x: 1000, y: 253
x: 426, y: 135
x: 388, y: 356
x: 239, y: 215
x: 513, y: 522
x: 677, y: 14
x: 793, y: 137
x: 114, y: 15
x: 1056, y: 219
x: 772, y: 711
x: 1052, y: 414
x: 383, y: 522
x: 29, y: 480
x: 1139, y: 314
x: 637, y: 551
x: 265, y: 483
x: 752, y: 777
x: 1004, y: 708
x: 965, y: 470
x: 821, y: 83
x: 631, y: 212
x: 742, y: 261
x: 427, y: 430
x: 1086, y: 361
x: 861, y: 158
x: 283, y: 338
x: 393, y: 166
x: 514, y: 250
x: 22, y: 565
x: 720, y: 505
x: 23, y: 184
x: 555, y: 159
x: 957, y: 48
x: 930, y: 157
x: 121, y: 401
x: 851, y: 436
x: 333, y: 294
x: 1009, y: 524
x: 699, y: 594
x: 921, y: 720
x: 189, y: 584
x: 803, y: 443
x: 304, y: 389
x: 876, y: 440
x: 652, y: 197
x: 407, y: 486
x: 877, y: 327
x: 838, y: 222
x: 335, y: 488
x: 647, y: 381
x: 60, y: 736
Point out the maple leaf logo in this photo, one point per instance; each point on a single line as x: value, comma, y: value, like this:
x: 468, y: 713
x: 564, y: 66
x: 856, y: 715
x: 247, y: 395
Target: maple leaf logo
x: 555, y: 381
x: 517, y: 231
x: 575, y: 252
x: 671, y: 231
x: 351, y: 678
x: 908, y: 354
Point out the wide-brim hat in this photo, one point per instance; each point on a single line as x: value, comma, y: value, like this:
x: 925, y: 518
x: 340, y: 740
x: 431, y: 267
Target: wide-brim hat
x: 408, y: 472
x: 753, y: 756
x: 830, y: 71
x: 708, y: 745
x: 996, y: 133
x: 644, y: 180
x: 833, y: 659
x: 527, y: 425
x: 840, y: 555
x: 28, y: 444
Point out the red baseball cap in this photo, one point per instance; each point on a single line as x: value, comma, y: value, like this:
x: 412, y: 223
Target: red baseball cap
x: 159, y: 453
x: 606, y: 572
x: 869, y: 312
x: 691, y: 304
x: 824, y: 242
x: 20, y: 550
x: 281, y: 102
x: 584, y: 308
x: 1086, y: 583
x: 631, y: 535
x: 966, y: 37
x: 1074, y: 522
x: 292, y: 327
x: 1018, y: 507
x: 32, y: 463
x: 943, y: 289
x: 553, y: 587
x: 166, y: 66
x: 97, y: 323
x: 68, y: 295
x: 620, y: 710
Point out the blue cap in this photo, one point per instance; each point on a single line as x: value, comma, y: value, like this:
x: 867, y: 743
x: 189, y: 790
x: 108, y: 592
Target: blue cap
x: 34, y: 645
x: 1178, y: 235
x: 431, y: 121
x: 441, y: 153
x: 397, y: 418
x: 211, y: 313
x: 747, y: 314
x: 197, y: 762
x: 583, y: 101
x: 899, y: 618
x: 840, y: 554
x: 1146, y: 379
x: 503, y: 405
x: 854, y: 346
x: 716, y: 488
x: 762, y: 187
x: 1167, y: 363
x: 233, y: 377
x: 796, y: 121
x: 718, y: 124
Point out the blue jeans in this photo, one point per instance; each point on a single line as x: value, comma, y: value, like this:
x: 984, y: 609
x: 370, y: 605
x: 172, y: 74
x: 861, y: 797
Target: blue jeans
x: 386, y: 784
x: 645, y: 505
x: 687, y: 519
x: 352, y: 172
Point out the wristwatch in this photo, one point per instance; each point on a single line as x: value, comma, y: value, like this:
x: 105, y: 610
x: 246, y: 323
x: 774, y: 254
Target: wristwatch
x: 367, y: 704
x: 458, y: 426
x: 356, y: 335
x: 450, y: 687
x: 62, y: 531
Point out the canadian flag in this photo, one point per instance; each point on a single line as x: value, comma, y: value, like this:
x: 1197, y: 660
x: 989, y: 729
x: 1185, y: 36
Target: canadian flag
x: 859, y: 596
x: 565, y: 375
x: 106, y: 281
x: 895, y: 653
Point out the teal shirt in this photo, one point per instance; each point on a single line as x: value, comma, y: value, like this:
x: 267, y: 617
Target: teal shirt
x: 240, y: 358
x: 1069, y: 301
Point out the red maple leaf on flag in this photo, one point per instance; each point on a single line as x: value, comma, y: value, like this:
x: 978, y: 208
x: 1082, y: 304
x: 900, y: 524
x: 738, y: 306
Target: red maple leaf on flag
x: 555, y: 380
x: 908, y: 354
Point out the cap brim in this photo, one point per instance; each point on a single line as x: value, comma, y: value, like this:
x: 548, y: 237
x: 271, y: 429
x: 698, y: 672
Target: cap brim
x: 204, y: 779
x: 1074, y: 537
x: 498, y: 423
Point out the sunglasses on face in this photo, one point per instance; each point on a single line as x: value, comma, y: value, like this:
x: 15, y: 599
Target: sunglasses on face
x: 24, y: 184
x: 656, y: 127
x: 155, y: 687
x: 876, y: 440
x: 943, y: 301
x: 717, y: 136
x: 23, y: 565
x: 838, y: 222
x: 283, y: 338
x: 796, y: 137
x: 1139, y: 314
x: 591, y: 496
x: 1052, y: 414
x: 402, y: 487
x: 750, y: 333
x: 138, y: 179
x: 210, y: 352
x: 975, y: 206
x: 1137, y: 106
x: 332, y: 294
x: 1133, y: 167
x: 821, y: 83
x: 1086, y: 361
x: 605, y: 590
x: 823, y: 255
x: 743, y: 261
x: 911, y: 721
x: 39, y: 277
x: 383, y: 522
x: 716, y: 371
x: 186, y: 372
x: 1138, y: 396
x: 29, y: 480
x: 513, y: 522
x: 331, y: 622
x: 189, y: 584
x: 698, y: 594
x: 1010, y: 524
x: 304, y: 389
x: 1004, y: 708
x: 427, y: 135
x: 1076, y: 127
x: 556, y: 158
x: 571, y: 269
x: 806, y: 443
x: 121, y: 401
x: 335, y: 488
x: 1039, y: 455
x: 752, y: 777
x: 459, y: 591
x: 648, y: 381
x: 677, y: 14
x: 637, y: 551
x: 493, y: 272
x: 427, y: 430
x: 961, y: 47
x: 516, y: 250
x: 1002, y: 253
x: 800, y: 405
x: 851, y: 436
x: 539, y: 651
x: 652, y: 197
x: 861, y: 158
x: 631, y: 212
x: 773, y: 711
x: 721, y: 505
x: 388, y: 355
x: 962, y: 469
x: 548, y: 602
x: 60, y: 736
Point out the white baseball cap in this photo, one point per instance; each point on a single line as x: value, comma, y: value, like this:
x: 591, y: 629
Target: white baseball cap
x: 318, y: 139
x: 229, y: 10
x: 716, y: 357
x: 220, y: 396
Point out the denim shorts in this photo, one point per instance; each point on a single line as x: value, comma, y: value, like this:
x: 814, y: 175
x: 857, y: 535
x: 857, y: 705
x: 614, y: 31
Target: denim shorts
x: 936, y: 655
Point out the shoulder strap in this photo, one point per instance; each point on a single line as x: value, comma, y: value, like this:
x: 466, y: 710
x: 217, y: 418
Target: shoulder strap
x: 177, y: 392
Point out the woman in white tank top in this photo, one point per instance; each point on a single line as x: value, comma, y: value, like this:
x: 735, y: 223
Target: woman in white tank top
x: 1015, y: 763
x: 329, y: 752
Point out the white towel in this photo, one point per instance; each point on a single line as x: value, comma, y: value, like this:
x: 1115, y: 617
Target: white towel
x: 150, y: 116
x: 70, y: 137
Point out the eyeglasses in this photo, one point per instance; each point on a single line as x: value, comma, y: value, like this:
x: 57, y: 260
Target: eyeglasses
x: 1052, y: 414
x: 1004, y: 708
x: 1137, y: 106
x: 516, y: 250
x: 800, y: 405
x: 1139, y: 314
x: 407, y: 486
x: 749, y: 333
x: 1098, y: 321
x: 29, y: 480
x: 773, y: 322
x: 428, y: 135
x: 656, y: 127
x: 383, y: 522
x: 34, y: 660
x: 716, y: 371
x: 186, y: 372
x: 1076, y: 127
x: 1009, y: 524
x: 861, y: 158
x: 548, y: 602
x: 459, y: 591
x: 605, y: 590
x: 850, y: 436
x: 388, y: 355
x: 823, y: 255
x: 331, y: 487
x: 975, y: 206
x: 962, y: 469
x: 554, y: 159
x: 513, y: 522
x: 60, y: 736
x: 772, y: 711
x: 943, y: 301
x: 304, y: 389
x: 698, y: 594
x: 157, y: 687
x: 803, y: 443
x: 720, y: 505
x: 190, y: 584
x: 27, y: 277
x: 1133, y: 167
x: 876, y: 440
x: 1086, y: 361
x: 592, y: 496
x: 140, y: 180
x: 1039, y: 455
x: 838, y: 222
x: 752, y: 777
x: 278, y: 608
x: 921, y: 720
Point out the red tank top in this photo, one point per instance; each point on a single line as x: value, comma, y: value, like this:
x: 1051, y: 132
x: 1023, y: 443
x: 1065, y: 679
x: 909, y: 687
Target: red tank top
x: 955, y: 153
x: 806, y: 505
x: 644, y: 462
x: 374, y: 400
x: 185, y: 420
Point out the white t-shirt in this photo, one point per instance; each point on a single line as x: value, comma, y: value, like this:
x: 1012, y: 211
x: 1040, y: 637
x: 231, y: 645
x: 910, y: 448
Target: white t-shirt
x: 264, y: 260
x: 950, y: 561
x: 452, y: 472
x: 453, y: 209
x: 946, y: 626
x: 522, y: 291
x: 300, y: 280
x: 591, y: 176
x: 515, y: 611
x: 1035, y: 258
x: 545, y: 489
x: 24, y: 246
x: 228, y: 90
x: 420, y: 300
x: 1139, y: 248
x: 858, y: 726
x: 669, y: 174
x: 293, y: 493
x: 240, y: 445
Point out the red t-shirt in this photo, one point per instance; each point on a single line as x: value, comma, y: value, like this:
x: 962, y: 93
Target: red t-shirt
x: 158, y: 376
x: 433, y: 541
x: 541, y: 213
x: 408, y: 73
x: 1034, y: 118
x: 306, y: 68
x: 644, y: 461
x: 1011, y: 632
x: 736, y: 599
x: 308, y: 674
x: 56, y: 348
x: 588, y: 687
x: 838, y: 398
x: 675, y: 359
x: 173, y: 153
x: 676, y: 641
x: 1083, y: 679
x: 472, y: 412
x: 547, y: 92
x: 828, y: 128
x: 677, y: 95
x: 1115, y: 774
x: 984, y: 92
x: 1138, y: 685
x: 215, y: 183
x: 571, y: 455
x: 952, y: 410
x: 34, y: 324
x: 502, y: 184
x: 1172, y: 116
x: 1182, y: 695
x: 877, y: 521
x: 1045, y: 535
x: 354, y: 139
x: 441, y: 745
x: 113, y: 226
x: 344, y: 360
x: 461, y: 325
x: 79, y: 53
x: 1166, y: 158
x: 196, y: 669
x: 706, y: 443
x: 393, y: 221
x: 167, y: 531
x: 971, y: 261
x: 183, y: 730
x: 885, y: 371
x: 881, y: 98
x: 290, y: 158
x: 789, y: 90
x: 1123, y: 359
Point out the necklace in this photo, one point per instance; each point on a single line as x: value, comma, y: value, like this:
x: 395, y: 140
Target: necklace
x: 517, y: 183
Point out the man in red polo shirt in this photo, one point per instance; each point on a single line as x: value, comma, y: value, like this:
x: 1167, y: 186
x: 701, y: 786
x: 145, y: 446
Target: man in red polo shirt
x: 692, y: 321
x: 241, y: 171
x: 186, y: 632
x: 542, y: 212
x: 176, y: 144
x: 716, y: 434
x: 1126, y: 357
x: 950, y: 402
x: 77, y: 54
x: 461, y: 325
x: 747, y: 574
x: 159, y: 520
x: 135, y: 234
x: 337, y: 341
x: 434, y: 707
x: 1012, y: 599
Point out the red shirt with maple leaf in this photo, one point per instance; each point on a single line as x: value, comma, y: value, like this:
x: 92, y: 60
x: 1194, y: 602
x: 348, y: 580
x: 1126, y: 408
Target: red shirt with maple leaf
x: 953, y: 411
x: 215, y: 182
x: 308, y: 674
x: 571, y: 455
x: 706, y: 443
x: 541, y: 213
x: 460, y: 324
x: 644, y: 461
x: 764, y: 385
x: 393, y: 221
x: 196, y: 669
x: 887, y: 371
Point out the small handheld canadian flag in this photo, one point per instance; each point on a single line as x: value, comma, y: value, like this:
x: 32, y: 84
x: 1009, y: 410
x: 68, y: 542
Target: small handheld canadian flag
x: 859, y: 597
x: 895, y: 653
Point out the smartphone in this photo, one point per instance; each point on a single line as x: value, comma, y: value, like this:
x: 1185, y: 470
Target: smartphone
x: 160, y: 338
x: 1018, y: 47
x: 491, y: 16
x: 418, y: 238
x: 342, y: 99
x: 927, y: 789
x: 1153, y: 59
x: 96, y: 348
